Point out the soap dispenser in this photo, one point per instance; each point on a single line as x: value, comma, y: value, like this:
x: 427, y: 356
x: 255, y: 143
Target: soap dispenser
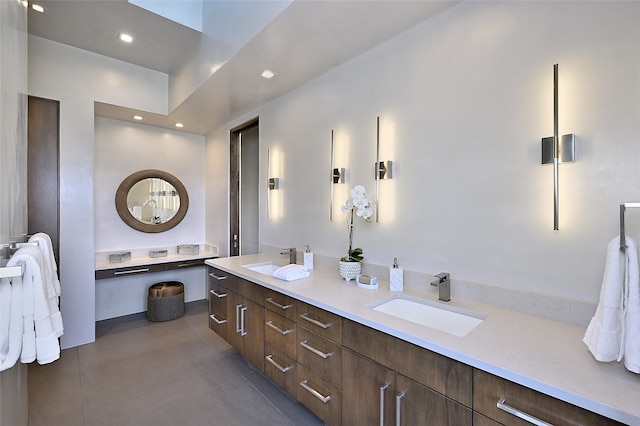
x: 395, y: 277
x: 308, y: 258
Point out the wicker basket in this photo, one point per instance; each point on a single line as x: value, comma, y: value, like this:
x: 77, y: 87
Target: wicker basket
x: 165, y: 301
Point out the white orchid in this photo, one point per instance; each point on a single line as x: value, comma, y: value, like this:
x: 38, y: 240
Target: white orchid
x: 361, y: 202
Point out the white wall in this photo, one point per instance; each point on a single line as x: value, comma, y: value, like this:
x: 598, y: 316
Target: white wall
x: 122, y: 148
x: 464, y: 99
x: 77, y: 78
x: 13, y: 177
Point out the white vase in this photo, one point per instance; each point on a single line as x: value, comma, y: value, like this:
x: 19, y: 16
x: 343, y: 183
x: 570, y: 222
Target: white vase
x: 350, y: 270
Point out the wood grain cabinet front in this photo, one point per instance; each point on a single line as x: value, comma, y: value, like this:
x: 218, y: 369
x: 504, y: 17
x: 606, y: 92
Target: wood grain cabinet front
x: 218, y: 316
x: 512, y: 404
x: 246, y: 328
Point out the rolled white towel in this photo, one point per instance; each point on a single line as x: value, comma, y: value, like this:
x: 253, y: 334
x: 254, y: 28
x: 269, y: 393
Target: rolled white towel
x: 291, y: 272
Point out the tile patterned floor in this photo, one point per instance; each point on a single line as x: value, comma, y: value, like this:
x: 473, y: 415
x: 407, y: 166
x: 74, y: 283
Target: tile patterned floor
x: 157, y: 373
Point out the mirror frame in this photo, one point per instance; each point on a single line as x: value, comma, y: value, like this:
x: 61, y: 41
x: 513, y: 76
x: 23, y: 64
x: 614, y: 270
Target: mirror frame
x: 129, y: 219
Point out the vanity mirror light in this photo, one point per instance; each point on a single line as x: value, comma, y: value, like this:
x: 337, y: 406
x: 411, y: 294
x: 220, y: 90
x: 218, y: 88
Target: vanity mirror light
x: 152, y: 201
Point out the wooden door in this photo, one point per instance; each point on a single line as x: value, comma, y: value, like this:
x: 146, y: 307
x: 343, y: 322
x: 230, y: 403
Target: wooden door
x: 366, y: 386
x: 43, y: 169
x: 235, y: 303
x: 254, y: 334
x: 420, y: 405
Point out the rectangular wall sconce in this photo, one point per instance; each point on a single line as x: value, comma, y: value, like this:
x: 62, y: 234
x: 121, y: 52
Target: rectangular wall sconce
x: 338, y: 175
x: 273, y: 183
x: 557, y: 149
x: 383, y: 169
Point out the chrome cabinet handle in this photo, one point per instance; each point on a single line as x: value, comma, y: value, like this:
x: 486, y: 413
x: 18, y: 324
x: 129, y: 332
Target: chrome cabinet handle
x: 275, y: 364
x: 321, y: 354
x: 242, y: 311
x: 277, y: 305
x: 520, y: 414
x: 132, y: 271
x: 399, y: 398
x: 314, y: 392
x: 213, y: 317
x: 218, y: 295
x: 238, y: 318
x: 185, y: 265
x: 305, y: 316
x: 383, y: 390
x: 217, y: 277
x: 278, y: 329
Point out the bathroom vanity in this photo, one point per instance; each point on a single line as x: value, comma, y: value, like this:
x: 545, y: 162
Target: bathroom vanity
x: 321, y: 340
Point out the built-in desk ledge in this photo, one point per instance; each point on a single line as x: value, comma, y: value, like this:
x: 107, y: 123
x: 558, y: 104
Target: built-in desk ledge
x: 149, y: 256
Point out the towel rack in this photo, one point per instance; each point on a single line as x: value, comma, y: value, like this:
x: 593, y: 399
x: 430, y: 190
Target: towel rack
x: 7, y: 250
x: 12, y: 271
x: 623, y: 208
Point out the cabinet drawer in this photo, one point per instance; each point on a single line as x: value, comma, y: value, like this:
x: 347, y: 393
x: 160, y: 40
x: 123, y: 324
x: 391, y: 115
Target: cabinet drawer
x: 218, y: 318
x: 444, y: 375
x: 279, y: 303
x: 280, y: 368
x: 224, y: 279
x: 489, y: 389
x: 322, y: 322
x: 280, y: 332
x: 320, y: 355
x: 251, y: 291
x: 129, y: 270
x: 319, y: 396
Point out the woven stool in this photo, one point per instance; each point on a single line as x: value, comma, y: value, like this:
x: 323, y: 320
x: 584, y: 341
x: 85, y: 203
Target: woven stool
x: 165, y: 301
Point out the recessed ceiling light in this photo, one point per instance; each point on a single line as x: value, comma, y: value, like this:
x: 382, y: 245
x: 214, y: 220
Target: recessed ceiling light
x: 179, y: 125
x: 37, y: 8
x: 137, y: 117
x: 125, y: 37
x: 268, y: 74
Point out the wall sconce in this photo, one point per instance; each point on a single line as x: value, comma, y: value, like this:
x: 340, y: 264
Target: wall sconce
x: 272, y: 183
x: 382, y: 169
x: 557, y: 149
x: 338, y: 175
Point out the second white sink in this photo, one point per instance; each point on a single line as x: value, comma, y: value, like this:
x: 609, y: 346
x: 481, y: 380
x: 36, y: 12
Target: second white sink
x: 449, y: 319
x: 266, y: 268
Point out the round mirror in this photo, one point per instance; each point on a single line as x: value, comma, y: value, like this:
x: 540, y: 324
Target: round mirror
x: 152, y: 201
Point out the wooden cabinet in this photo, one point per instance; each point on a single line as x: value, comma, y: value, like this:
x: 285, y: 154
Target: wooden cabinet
x: 319, y: 356
x: 280, y: 342
x: 246, y: 332
x: 124, y: 271
x: 218, y: 316
x: 489, y: 390
x: 374, y: 394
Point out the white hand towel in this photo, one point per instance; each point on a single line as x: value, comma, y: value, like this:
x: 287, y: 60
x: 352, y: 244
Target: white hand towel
x: 291, y: 272
x: 631, y: 336
x: 604, y: 335
x: 10, y: 352
x: 43, y: 241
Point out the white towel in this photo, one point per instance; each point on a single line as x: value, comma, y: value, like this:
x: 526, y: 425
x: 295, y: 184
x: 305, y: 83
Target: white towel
x: 44, y: 242
x: 606, y: 334
x: 291, y: 272
x: 11, y: 323
x: 39, y: 339
x: 631, y: 337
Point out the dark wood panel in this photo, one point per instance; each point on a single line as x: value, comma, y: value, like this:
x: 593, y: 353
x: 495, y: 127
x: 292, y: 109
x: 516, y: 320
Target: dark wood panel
x: 442, y: 374
x: 329, y: 411
x: 328, y: 364
x: 280, y: 304
x: 43, y: 193
x: 362, y: 380
x: 310, y: 317
x: 285, y: 339
x: 129, y: 271
x: 285, y: 376
x: 488, y: 389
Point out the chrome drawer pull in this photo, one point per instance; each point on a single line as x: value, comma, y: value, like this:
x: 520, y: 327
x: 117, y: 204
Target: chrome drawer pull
x: 315, y: 393
x: 399, y: 399
x: 276, y: 304
x: 213, y: 275
x: 521, y: 414
x: 132, y: 271
x: 383, y: 389
x: 185, y: 265
x: 275, y: 364
x: 278, y: 329
x: 242, y: 311
x: 213, y: 317
x: 305, y: 316
x: 218, y: 295
x: 238, y: 329
x: 321, y: 354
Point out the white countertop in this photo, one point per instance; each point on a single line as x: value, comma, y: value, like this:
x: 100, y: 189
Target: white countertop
x: 141, y: 257
x: 536, y: 352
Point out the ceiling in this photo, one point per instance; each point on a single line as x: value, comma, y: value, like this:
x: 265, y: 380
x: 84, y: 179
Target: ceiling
x: 306, y: 40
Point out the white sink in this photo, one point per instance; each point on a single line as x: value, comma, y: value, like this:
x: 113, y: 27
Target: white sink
x: 266, y: 268
x: 449, y: 319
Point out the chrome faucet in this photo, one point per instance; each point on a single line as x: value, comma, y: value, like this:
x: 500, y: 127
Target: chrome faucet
x: 292, y: 254
x: 443, y: 283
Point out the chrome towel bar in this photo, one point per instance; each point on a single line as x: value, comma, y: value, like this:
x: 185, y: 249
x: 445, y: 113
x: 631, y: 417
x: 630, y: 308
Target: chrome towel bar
x: 623, y: 209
